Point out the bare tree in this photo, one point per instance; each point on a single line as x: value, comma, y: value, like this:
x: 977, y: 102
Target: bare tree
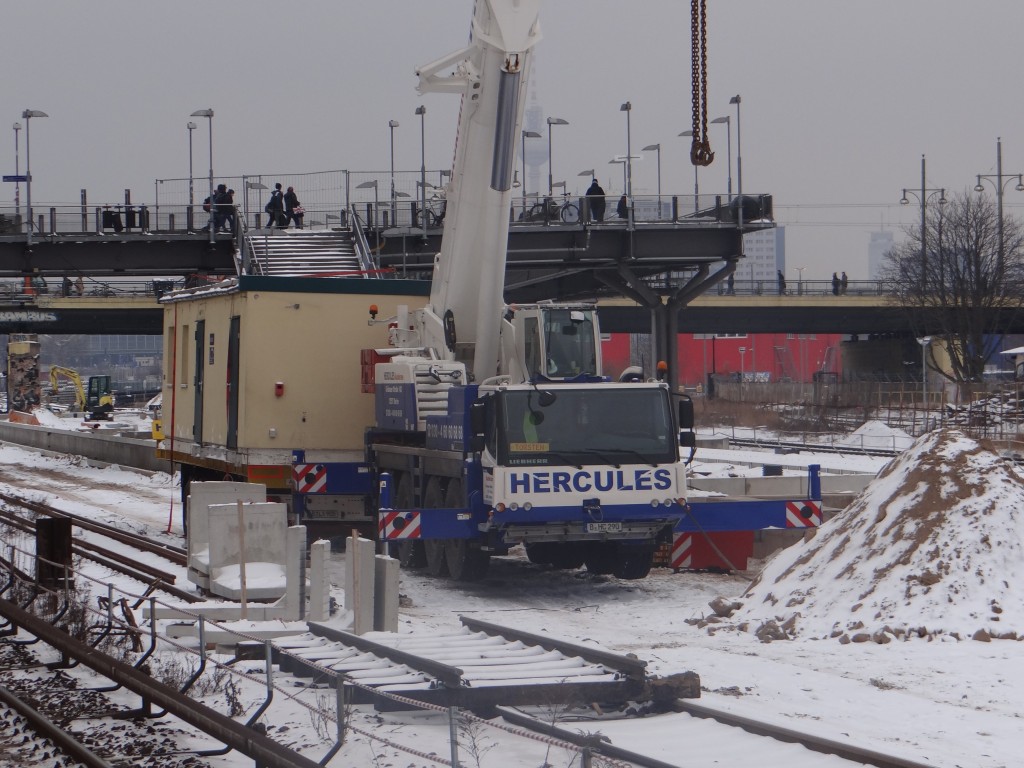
x: 958, y: 285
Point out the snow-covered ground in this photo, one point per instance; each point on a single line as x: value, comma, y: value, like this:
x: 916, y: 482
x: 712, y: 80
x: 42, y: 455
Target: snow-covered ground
x: 933, y: 698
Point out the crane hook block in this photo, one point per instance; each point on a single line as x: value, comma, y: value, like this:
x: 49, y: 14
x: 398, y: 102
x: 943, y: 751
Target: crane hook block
x: 701, y: 154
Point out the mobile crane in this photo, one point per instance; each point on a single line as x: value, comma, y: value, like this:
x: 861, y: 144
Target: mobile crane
x: 495, y: 425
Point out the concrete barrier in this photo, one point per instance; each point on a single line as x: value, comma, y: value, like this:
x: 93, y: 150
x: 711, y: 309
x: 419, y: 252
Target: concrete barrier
x: 102, y: 448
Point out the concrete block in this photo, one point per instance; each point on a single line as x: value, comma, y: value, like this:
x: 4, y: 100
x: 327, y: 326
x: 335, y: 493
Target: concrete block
x: 359, y: 559
x: 201, y: 496
x: 385, y: 596
x: 265, y: 556
x: 295, y: 595
x: 319, y: 585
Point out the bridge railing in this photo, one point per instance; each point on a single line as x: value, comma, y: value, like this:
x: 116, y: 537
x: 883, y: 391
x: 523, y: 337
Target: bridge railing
x: 30, y: 290
x: 772, y: 287
x: 136, y: 219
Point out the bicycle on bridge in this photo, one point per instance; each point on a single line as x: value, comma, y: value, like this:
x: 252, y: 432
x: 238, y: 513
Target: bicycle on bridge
x: 551, y: 209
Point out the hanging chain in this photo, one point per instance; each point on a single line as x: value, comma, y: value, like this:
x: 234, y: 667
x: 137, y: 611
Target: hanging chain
x: 700, y: 148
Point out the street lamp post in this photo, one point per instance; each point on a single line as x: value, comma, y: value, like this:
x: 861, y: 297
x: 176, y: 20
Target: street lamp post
x: 728, y: 147
x: 208, y: 114
x: 924, y: 341
x: 799, y: 280
x: 392, y: 124
x: 376, y: 204
x: 191, y: 187
x: 17, y: 172
x: 552, y: 121
x: 656, y: 148
x: 27, y: 116
x: 422, y: 112
x: 739, y: 148
x: 628, y: 108
x: 1000, y: 186
x: 922, y: 198
x: 696, y: 183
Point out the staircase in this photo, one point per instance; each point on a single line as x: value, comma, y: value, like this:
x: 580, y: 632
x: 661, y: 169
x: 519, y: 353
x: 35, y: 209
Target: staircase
x: 302, y: 253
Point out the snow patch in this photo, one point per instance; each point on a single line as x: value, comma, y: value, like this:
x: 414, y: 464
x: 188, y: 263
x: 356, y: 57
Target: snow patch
x: 934, y: 546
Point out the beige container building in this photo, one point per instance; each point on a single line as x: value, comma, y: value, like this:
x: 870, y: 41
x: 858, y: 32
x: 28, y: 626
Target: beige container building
x: 257, y: 367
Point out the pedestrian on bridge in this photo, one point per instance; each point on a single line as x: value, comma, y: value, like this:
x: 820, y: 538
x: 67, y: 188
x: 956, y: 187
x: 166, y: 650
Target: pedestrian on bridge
x: 843, y: 282
x: 595, y: 198
x: 293, y: 209
x: 782, y: 283
x: 835, y: 284
x: 275, y: 208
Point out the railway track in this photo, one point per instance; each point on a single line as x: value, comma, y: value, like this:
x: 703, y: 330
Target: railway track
x: 126, y: 564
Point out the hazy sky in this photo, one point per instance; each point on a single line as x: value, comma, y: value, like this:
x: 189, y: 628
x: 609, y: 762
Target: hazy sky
x: 839, y: 99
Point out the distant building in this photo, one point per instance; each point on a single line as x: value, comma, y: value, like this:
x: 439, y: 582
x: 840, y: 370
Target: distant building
x: 765, y: 255
x: 881, y: 243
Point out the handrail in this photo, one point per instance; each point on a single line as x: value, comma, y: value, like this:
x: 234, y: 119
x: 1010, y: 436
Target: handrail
x: 369, y: 266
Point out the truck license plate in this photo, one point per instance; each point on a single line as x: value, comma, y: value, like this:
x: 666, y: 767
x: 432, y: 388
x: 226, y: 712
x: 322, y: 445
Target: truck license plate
x: 604, y: 527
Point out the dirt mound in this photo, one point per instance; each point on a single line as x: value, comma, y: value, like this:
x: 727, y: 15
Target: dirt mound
x: 935, y: 545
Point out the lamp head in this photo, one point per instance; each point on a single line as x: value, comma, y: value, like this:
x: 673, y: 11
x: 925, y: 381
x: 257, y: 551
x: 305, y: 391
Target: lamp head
x: 978, y: 187
x: 203, y: 113
x: 30, y: 113
x: 904, y: 200
x: 17, y: 126
x: 531, y: 135
x: 392, y: 123
x: 735, y: 99
x: 190, y: 125
x: 557, y: 121
x: 721, y: 119
x: 626, y: 107
x: 420, y: 110
x: 651, y: 148
x: 942, y: 197
x: 1020, y: 184
x: 367, y: 184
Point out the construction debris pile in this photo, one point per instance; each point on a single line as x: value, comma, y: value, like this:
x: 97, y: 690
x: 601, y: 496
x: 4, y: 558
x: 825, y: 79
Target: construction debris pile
x: 934, y: 547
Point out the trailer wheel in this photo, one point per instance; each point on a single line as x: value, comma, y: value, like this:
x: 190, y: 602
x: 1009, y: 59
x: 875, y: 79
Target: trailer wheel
x: 600, y: 557
x: 539, y: 552
x: 634, y: 562
x: 410, y: 552
x: 433, y: 498
x: 466, y: 561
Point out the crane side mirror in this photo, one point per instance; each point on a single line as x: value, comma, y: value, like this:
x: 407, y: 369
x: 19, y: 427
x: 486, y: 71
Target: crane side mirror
x: 686, y: 419
x: 478, y: 417
x: 688, y: 439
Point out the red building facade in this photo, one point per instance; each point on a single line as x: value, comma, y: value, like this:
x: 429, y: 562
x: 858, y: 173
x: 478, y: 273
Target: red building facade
x: 768, y: 357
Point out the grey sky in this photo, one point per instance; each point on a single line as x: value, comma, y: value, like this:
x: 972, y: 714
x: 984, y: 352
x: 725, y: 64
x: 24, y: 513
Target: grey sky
x: 839, y: 99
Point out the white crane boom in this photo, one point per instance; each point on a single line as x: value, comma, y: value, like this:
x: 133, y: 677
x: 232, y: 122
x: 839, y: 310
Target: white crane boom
x: 463, y: 319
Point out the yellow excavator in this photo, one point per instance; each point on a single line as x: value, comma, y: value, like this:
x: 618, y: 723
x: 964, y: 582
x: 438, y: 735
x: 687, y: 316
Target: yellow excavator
x: 96, y: 397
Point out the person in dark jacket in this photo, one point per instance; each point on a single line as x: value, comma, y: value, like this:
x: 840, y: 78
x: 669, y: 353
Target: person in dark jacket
x: 835, y: 284
x: 293, y: 208
x: 275, y: 208
x: 782, y: 282
x: 622, y: 208
x: 596, y: 201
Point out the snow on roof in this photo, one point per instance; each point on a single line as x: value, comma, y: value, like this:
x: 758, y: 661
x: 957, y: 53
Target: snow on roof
x: 934, y: 546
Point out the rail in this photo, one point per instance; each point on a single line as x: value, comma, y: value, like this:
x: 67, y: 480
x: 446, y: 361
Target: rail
x: 369, y: 264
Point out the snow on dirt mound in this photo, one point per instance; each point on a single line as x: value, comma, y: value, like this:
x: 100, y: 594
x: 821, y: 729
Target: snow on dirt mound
x: 935, y: 545
x: 876, y: 434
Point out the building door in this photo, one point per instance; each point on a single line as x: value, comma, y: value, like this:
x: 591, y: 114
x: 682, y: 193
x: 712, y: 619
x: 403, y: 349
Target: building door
x: 233, y: 373
x: 200, y: 372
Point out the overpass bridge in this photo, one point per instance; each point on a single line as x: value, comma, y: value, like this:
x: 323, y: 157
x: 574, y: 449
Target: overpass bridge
x: 123, y: 306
